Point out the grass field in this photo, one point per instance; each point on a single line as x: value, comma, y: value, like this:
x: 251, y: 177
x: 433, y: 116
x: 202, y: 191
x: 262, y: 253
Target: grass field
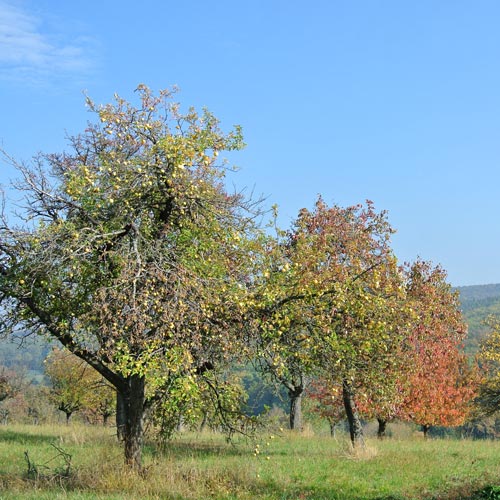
x: 286, y: 467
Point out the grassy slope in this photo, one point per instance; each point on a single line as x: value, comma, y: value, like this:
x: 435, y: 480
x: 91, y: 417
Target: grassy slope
x: 205, y: 466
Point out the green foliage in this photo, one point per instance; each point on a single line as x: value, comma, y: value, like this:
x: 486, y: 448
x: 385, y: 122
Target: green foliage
x: 489, y: 493
x: 74, y: 386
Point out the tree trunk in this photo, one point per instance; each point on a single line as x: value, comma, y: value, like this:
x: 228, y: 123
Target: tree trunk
x: 355, y: 427
x: 68, y: 416
x: 425, y: 430
x: 180, y: 424
x: 296, y: 407
x: 134, y: 420
x: 204, y: 421
x: 382, y: 425
x: 120, y: 416
x: 333, y: 425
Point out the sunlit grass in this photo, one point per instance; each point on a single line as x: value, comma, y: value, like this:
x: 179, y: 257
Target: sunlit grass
x: 286, y: 466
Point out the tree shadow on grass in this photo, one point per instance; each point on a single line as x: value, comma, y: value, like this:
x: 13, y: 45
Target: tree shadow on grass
x: 24, y: 438
x: 194, y: 449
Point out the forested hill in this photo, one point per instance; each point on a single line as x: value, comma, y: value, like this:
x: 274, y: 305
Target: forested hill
x: 476, y: 294
x: 25, y: 357
x: 478, y: 302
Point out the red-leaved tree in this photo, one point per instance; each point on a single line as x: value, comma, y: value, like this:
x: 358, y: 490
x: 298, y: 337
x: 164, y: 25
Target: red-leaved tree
x: 327, y: 401
x: 441, y: 384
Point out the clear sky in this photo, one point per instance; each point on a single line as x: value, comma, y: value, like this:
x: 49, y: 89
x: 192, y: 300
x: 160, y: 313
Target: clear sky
x: 393, y: 101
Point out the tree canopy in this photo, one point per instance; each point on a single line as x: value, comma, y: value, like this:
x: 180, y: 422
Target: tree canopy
x: 132, y: 253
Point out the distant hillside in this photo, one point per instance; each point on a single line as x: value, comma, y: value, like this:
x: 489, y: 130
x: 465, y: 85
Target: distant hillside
x: 26, y: 357
x: 469, y: 295
x: 478, y: 302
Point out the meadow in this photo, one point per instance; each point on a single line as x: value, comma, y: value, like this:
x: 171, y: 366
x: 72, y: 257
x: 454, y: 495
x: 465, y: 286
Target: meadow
x: 85, y: 462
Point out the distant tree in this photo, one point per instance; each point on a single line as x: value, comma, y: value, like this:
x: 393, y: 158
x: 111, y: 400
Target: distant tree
x: 384, y: 405
x: 283, y: 340
x: 327, y: 401
x: 12, y: 384
x: 39, y: 407
x: 71, y: 381
x: 75, y: 386
x: 481, y: 426
x: 99, y: 402
x: 288, y: 363
x: 7, y: 383
x: 383, y: 401
x: 14, y: 408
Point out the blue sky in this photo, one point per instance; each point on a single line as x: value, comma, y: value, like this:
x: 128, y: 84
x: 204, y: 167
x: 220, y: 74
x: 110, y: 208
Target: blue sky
x: 393, y: 101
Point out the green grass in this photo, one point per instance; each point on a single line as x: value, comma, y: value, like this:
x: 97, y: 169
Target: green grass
x: 206, y: 467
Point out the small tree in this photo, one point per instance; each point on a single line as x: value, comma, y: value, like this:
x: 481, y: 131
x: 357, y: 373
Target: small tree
x: 11, y: 387
x: 71, y: 381
x: 383, y: 401
x: 328, y: 402
x: 289, y: 364
x: 100, y: 401
x: 8, y: 385
x: 39, y: 407
x: 14, y: 408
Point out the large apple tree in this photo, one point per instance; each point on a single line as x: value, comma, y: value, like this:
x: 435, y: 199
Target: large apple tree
x: 131, y: 252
